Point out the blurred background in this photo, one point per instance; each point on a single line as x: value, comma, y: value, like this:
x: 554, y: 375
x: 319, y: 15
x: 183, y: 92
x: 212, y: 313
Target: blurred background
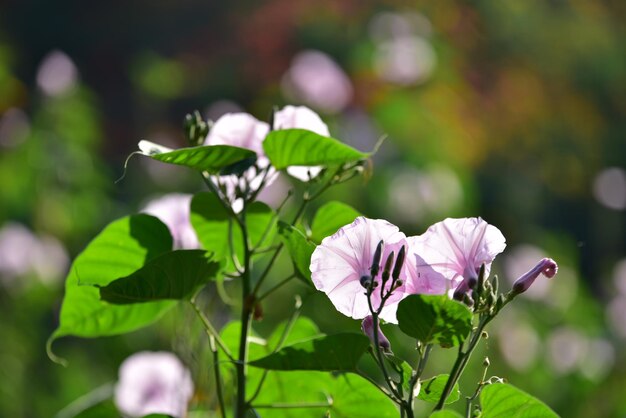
x: 512, y: 111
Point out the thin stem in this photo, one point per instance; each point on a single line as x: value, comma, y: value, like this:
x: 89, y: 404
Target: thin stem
x: 231, y: 245
x: 211, y: 330
x: 87, y: 401
x: 247, y: 307
x: 276, y: 287
x: 476, y: 393
x: 293, y: 405
x: 461, y: 361
x: 281, y: 341
x: 265, y: 250
x: 373, y: 382
x: 218, y: 377
x: 257, y: 249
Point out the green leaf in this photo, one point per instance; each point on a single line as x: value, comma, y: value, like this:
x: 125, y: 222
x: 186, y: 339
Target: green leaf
x: 434, y: 318
x: 447, y: 413
x: 121, y: 248
x: 299, y: 247
x: 174, y: 275
x: 211, y: 221
x: 329, y: 218
x: 431, y: 390
x: 338, y: 396
x: 500, y: 400
x: 289, y: 147
x: 210, y: 158
x: 339, y: 352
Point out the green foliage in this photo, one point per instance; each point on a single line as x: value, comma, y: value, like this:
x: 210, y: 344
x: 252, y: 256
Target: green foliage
x: 213, y: 225
x: 209, y: 158
x: 338, y: 352
x: 445, y: 414
x: 123, y: 247
x: 432, y: 389
x: 436, y: 319
x: 300, y: 249
x: 174, y: 275
x: 340, y: 396
x: 329, y: 218
x: 501, y: 400
x: 289, y: 147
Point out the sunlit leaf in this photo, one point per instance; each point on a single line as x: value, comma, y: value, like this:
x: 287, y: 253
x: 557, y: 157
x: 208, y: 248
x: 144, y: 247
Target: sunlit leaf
x: 434, y: 318
x: 210, y: 158
x: 289, y: 147
x: 339, y: 396
x: 446, y: 413
x: 431, y: 390
x: 212, y: 223
x: 123, y: 247
x: 329, y: 218
x: 501, y: 400
x: 299, y: 247
x: 339, y: 352
x: 173, y: 275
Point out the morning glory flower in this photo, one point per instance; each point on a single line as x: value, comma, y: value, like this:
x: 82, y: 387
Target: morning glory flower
x: 340, y: 262
x: 301, y: 117
x: 153, y: 383
x: 245, y: 131
x: 451, y: 252
x: 174, y: 211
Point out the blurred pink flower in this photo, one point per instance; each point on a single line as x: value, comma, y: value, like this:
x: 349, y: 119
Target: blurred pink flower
x: 339, y: 262
x: 174, y: 211
x: 316, y: 79
x: 301, y: 117
x: 451, y: 251
x: 153, y: 383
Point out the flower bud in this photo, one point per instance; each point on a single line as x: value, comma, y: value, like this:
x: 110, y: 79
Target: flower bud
x: 461, y: 290
x: 368, y: 329
x: 399, y: 262
x: 546, y: 266
x: 387, y: 269
x: 376, y: 260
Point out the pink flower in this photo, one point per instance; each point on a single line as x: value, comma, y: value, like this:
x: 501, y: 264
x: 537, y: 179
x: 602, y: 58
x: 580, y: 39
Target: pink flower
x: 153, y: 383
x: 174, y: 211
x: 238, y: 130
x: 450, y: 252
x: 546, y: 266
x: 301, y: 117
x: 341, y: 260
x: 244, y: 131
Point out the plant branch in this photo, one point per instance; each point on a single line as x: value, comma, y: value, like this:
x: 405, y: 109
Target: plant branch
x: 211, y: 330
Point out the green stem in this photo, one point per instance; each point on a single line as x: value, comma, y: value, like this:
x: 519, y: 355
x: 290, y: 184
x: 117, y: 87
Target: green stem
x: 276, y: 287
x: 247, y: 307
x: 293, y: 405
x: 461, y: 361
x: 218, y: 377
x: 86, y: 401
x: 211, y: 330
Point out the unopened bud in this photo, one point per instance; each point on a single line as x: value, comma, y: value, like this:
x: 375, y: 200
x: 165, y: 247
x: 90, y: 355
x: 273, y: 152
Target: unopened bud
x: 546, y: 266
x: 486, y: 362
x: 376, y: 259
x: 399, y: 263
x: 368, y: 329
x: 387, y: 269
x: 398, y: 283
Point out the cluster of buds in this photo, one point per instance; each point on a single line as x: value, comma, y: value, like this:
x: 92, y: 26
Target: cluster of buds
x: 389, y: 279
